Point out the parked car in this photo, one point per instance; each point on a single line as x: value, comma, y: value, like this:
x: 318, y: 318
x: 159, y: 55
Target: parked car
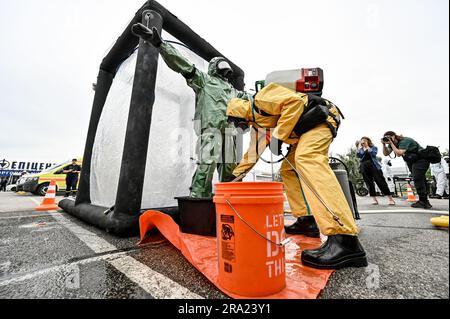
x: 38, y: 183
x: 11, y: 188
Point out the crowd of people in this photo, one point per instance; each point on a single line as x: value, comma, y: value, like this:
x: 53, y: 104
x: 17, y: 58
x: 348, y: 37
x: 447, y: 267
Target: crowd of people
x: 410, y: 150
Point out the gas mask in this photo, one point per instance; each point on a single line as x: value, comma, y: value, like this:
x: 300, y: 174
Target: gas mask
x: 224, y: 69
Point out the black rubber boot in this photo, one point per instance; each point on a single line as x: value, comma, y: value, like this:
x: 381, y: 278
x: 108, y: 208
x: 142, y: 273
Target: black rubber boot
x: 305, y: 225
x: 340, y: 251
x: 422, y: 204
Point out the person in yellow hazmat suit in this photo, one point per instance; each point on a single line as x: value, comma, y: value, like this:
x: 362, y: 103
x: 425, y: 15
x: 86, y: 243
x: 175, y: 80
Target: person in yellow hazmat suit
x: 309, y: 124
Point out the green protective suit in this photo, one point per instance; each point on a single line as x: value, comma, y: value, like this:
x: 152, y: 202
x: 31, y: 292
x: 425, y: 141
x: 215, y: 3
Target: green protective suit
x: 216, y: 147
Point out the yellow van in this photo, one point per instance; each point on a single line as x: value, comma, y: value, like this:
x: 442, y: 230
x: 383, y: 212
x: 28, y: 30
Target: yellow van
x: 38, y: 183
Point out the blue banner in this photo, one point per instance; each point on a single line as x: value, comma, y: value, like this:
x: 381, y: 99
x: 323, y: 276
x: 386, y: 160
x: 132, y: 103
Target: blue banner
x: 7, y: 172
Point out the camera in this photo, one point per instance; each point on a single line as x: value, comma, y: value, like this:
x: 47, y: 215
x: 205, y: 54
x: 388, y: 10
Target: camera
x: 386, y: 139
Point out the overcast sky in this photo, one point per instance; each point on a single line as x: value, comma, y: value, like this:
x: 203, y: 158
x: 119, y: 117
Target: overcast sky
x: 386, y: 62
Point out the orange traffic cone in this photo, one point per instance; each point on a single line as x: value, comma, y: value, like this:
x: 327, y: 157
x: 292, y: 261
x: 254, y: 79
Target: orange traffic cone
x: 49, y: 202
x: 411, y: 197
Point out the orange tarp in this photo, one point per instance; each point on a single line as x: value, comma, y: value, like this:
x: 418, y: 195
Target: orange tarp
x: 301, y: 282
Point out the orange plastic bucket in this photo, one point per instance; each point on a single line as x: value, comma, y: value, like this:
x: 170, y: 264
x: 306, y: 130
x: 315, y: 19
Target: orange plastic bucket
x: 250, y: 233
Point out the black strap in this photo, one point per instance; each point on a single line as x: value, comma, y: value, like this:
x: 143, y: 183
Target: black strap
x: 315, y: 100
x: 339, y: 110
x: 334, y: 117
x: 259, y: 111
x: 332, y: 129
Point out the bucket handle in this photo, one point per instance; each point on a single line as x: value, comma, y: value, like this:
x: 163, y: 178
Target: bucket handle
x: 283, y: 244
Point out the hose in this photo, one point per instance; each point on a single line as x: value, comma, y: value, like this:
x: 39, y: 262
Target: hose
x: 173, y: 42
x: 302, y: 179
x: 335, y: 216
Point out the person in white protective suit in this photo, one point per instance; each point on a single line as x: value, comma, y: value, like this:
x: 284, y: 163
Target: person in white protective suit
x: 388, y: 175
x: 440, y: 173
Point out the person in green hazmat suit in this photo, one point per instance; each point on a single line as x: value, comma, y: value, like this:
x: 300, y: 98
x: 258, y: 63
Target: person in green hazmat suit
x: 217, y: 143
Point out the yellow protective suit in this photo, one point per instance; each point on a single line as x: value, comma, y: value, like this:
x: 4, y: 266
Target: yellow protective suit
x: 280, y: 109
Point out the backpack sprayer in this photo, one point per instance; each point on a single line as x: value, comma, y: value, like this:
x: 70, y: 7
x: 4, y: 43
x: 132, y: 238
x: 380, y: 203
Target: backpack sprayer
x: 307, y: 81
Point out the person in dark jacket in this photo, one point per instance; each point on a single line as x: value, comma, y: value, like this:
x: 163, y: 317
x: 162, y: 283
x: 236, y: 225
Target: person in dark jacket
x: 3, y: 184
x: 371, y: 170
x: 72, y: 171
x: 409, y: 149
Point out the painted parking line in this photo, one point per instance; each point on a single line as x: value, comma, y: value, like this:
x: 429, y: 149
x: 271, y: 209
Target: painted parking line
x: 29, y: 216
x: 60, y: 268
x: 156, y: 284
x: 404, y: 211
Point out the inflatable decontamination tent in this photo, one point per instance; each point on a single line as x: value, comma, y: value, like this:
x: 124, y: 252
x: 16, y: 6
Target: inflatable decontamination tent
x: 140, y: 148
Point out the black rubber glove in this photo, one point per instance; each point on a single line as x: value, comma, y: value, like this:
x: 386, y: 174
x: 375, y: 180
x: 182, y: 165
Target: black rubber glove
x: 152, y: 36
x: 239, y: 124
x: 228, y: 179
x: 275, y: 146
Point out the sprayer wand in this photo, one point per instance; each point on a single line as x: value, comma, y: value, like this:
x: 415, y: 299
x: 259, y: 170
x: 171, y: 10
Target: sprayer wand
x: 335, y: 217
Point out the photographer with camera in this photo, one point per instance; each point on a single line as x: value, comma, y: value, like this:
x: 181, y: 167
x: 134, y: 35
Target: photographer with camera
x: 409, y: 149
x: 371, y: 170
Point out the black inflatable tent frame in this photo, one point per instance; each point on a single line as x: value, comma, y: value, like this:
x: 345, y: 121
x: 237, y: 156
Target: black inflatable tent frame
x: 124, y: 219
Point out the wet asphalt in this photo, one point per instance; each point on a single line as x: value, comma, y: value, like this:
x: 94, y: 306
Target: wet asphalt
x: 42, y: 257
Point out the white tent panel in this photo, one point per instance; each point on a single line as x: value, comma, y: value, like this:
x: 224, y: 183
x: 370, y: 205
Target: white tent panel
x: 110, y: 138
x: 171, y: 156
